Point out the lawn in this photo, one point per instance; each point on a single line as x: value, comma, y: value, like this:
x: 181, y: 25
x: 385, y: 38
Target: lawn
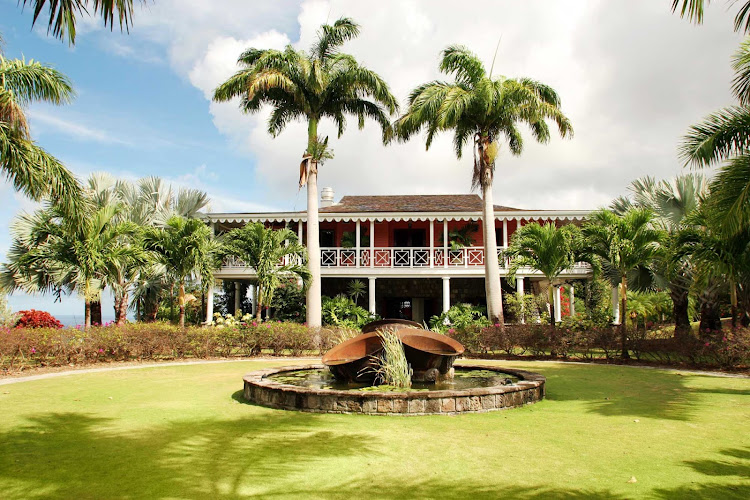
x: 182, y: 432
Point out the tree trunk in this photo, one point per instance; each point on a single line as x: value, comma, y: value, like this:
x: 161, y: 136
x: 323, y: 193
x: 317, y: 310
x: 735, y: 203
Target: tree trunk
x: 258, y: 308
x: 181, y: 302
x: 491, y: 262
x: 551, y: 298
x: 733, y: 300
x: 623, y: 318
x: 710, y: 322
x: 122, y: 314
x: 171, y: 304
x: 680, y: 301
x: 314, y: 306
x: 96, y: 312
x: 87, y: 315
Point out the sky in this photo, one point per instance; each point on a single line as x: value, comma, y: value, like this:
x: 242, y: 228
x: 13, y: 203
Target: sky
x: 632, y: 77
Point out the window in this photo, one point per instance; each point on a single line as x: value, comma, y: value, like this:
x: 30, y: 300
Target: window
x: 327, y: 238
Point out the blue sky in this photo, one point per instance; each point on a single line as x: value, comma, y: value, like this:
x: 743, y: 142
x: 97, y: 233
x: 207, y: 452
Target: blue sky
x: 632, y: 77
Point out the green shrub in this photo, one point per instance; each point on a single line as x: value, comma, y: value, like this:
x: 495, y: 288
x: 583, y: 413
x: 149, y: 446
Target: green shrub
x: 343, y: 312
x: 460, y: 317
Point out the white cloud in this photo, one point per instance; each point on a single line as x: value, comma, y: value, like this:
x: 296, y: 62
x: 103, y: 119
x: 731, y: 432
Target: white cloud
x: 75, y: 129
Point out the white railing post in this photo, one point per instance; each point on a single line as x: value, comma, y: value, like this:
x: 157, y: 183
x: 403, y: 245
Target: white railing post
x: 445, y: 242
x: 372, y: 243
x: 356, y: 235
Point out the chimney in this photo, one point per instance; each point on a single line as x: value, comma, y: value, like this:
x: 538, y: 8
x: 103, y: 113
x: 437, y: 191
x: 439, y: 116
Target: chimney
x: 326, y: 197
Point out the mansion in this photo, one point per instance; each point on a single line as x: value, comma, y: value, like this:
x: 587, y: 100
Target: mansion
x: 419, y: 254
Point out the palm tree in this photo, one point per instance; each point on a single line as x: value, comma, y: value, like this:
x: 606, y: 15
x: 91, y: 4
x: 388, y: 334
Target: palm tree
x: 547, y: 249
x: 622, y: 243
x: 320, y: 83
x: 672, y: 202
x: 487, y: 111
x: 30, y: 168
x: 62, y: 14
x: 185, y: 248
x: 724, y: 136
x: 274, y: 254
x: 693, y: 10
x: 55, y: 252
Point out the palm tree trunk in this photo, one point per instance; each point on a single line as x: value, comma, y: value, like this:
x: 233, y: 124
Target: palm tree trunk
x: 491, y: 263
x: 96, y: 312
x: 87, y: 315
x: 680, y: 302
x: 314, y: 318
x: 171, y: 304
x: 181, y: 302
x: 258, y: 297
x: 551, y: 294
x: 122, y: 311
x: 623, y: 318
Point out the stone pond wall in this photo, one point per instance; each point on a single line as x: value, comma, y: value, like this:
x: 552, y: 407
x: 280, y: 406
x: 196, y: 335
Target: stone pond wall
x: 263, y: 391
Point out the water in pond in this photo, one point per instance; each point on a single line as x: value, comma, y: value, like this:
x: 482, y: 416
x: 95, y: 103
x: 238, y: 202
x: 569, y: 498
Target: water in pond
x: 464, y: 379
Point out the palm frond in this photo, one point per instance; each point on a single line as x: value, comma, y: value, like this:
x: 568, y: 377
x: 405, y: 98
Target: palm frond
x: 721, y: 135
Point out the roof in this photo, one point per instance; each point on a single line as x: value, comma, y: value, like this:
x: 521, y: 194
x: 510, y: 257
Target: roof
x: 411, y: 203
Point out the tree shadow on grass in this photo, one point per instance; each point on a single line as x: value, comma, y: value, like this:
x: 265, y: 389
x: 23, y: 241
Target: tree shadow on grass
x: 735, y: 466
x: 622, y: 391
x: 74, y: 455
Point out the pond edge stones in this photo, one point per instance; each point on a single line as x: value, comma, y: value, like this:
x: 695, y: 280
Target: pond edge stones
x: 261, y: 390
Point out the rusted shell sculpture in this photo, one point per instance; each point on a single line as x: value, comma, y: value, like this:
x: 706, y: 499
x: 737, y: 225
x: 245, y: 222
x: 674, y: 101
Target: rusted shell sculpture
x: 430, y: 354
x: 389, y: 323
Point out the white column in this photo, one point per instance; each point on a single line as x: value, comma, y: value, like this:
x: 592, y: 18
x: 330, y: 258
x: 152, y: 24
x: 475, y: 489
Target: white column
x: 372, y: 243
x: 558, y: 312
x: 237, y: 298
x: 371, y: 294
x: 209, y: 303
x: 357, y: 232
x: 505, y: 233
x: 616, y: 305
x: 445, y: 245
x: 299, y: 232
x: 572, y: 302
x: 520, y: 293
x: 446, y: 293
x: 432, y: 242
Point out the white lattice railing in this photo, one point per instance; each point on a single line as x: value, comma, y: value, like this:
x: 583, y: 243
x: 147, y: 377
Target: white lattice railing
x: 398, y: 257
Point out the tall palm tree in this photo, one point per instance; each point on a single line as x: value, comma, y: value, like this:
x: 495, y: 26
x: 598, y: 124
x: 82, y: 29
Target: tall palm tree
x: 694, y: 10
x: 30, y: 168
x: 274, y: 254
x: 672, y: 202
x: 185, y: 248
x: 622, y: 243
x: 547, y: 249
x: 724, y: 136
x: 62, y: 14
x: 320, y: 83
x: 487, y: 111
x: 54, y: 251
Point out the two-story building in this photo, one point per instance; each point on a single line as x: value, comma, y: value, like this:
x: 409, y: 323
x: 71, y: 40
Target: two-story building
x: 398, y: 245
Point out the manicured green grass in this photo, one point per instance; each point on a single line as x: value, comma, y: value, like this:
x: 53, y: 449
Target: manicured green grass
x: 181, y: 432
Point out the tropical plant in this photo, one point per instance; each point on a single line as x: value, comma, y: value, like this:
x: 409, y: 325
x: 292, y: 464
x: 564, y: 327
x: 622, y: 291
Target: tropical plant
x: 36, y: 319
x: 186, y: 250
x: 724, y: 136
x: 547, y: 249
x: 273, y: 254
x: 62, y: 14
x: 694, y: 10
x: 54, y: 251
x: 357, y: 289
x: 622, y: 243
x: 342, y: 311
x: 461, y: 238
x: 672, y: 202
x: 320, y: 83
x: 460, y: 316
x: 486, y: 111
x: 27, y: 166
x: 288, y: 302
x: 7, y: 317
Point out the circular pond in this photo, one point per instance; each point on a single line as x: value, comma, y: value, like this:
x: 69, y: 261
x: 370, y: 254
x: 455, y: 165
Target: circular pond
x: 474, y: 389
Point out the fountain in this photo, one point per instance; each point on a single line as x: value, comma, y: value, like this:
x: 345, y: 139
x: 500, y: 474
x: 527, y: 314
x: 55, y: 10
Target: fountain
x: 345, y: 383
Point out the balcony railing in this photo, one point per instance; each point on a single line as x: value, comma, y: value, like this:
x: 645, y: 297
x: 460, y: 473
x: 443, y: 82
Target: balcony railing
x: 397, y: 257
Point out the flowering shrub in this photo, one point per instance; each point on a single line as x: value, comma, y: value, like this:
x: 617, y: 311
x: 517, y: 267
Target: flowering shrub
x: 37, y: 319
